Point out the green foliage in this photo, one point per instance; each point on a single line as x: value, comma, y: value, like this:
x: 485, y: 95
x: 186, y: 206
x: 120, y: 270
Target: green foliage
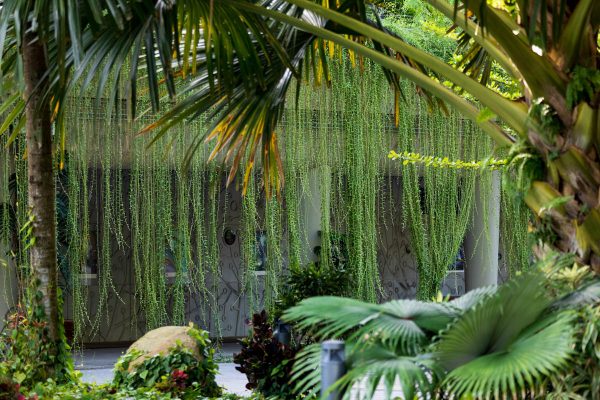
x: 178, y: 371
x: 77, y: 390
x: 27, y: 354
x: 309, y: 281
x: 584, y: 85
x: 266, y: 362
x: 437, y: 203
x: 483, y: 345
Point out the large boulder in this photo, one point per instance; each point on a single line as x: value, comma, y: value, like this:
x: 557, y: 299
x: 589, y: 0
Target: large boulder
x: 160, y: 341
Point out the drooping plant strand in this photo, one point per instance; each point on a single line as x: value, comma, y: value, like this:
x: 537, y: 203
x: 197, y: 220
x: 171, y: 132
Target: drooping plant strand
x: 438, y: 200
x: 342, y: 133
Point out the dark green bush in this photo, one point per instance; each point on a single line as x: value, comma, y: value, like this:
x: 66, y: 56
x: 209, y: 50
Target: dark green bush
x: 310, y: 281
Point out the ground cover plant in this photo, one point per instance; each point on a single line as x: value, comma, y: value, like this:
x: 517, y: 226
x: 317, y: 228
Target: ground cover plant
x: 77, y: 390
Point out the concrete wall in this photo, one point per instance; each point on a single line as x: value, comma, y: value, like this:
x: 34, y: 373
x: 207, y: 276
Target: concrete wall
x: 8, y: 286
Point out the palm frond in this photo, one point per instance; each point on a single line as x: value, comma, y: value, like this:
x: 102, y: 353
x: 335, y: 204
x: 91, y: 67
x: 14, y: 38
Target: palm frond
x: 306, y: 373
x: 502, y: 347
x: 587, y: 294
x: 519, y: 369
x: 379, y: 366
x: 404, y: 325
x: 499, y: 318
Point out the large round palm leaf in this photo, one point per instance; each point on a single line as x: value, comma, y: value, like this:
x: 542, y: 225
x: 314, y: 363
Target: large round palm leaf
x: 516, y: 371
x: 506, y: 342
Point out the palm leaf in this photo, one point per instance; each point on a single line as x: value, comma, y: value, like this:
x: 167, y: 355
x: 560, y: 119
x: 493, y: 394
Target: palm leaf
x: 401, y: 324
x: 473, y: 297
x: 518, y: 370
x: 587, y: 294
x: 306, y: 372
x: 378, y: 366
x: 499, y: 347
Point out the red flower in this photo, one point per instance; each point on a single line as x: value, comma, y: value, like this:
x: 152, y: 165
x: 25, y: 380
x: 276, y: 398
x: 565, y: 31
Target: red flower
x: 179, y: 378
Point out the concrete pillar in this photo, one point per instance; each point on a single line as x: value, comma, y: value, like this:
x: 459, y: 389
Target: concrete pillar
x: 481, y: 241
x: 310, y: 218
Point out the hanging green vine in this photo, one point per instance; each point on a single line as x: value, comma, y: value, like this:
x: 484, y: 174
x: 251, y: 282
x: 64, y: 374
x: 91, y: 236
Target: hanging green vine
x: 125, y: 197
x: 437, y: 201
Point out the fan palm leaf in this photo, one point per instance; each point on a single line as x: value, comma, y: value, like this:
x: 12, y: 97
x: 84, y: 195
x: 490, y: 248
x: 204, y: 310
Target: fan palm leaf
x: 380, y: 367
x: 404, y: 325
x: 518, y: 369
x: 473, y: 297
x: 500, y: 347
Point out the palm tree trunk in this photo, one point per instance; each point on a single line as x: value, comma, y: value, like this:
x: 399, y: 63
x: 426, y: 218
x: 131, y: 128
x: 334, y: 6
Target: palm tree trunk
x: 41, y: 179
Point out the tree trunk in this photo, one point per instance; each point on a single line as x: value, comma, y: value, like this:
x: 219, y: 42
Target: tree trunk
x: 41, y: 198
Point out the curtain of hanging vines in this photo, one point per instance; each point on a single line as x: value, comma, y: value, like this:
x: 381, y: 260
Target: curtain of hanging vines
x: 117, y: 195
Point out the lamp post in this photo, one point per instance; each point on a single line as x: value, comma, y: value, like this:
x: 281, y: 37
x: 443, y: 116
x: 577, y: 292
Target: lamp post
x: 333, y: 367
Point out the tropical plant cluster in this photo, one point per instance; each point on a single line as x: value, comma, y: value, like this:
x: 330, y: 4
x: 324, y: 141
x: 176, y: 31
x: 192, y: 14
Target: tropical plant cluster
x: 484, y: 344
x: 25, y: 358
x: 179, y: 372
x: 548, y: 128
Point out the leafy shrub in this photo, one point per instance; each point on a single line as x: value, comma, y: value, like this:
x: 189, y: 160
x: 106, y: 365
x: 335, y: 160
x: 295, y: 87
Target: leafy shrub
x: 266, y: 362
x: 26, y: 355
x: 178, y: 372
x: 309, y: 281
